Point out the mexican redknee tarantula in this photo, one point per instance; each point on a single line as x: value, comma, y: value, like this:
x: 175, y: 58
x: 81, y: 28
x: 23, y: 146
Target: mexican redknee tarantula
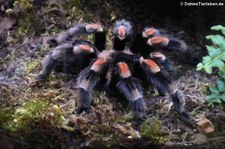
x: 125, y: 70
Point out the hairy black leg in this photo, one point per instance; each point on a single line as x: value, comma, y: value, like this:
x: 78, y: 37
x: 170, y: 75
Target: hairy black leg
x: 179, y: 106
x: 74, y: 31
x: 167, y: 43
x: 87, y: 80
x: 48, y: 67
x: 110, y: 84
x: 155, y: 76
x: 184, y: 53
x: 177, y: 45
x: 167, y: 67
x: 162, y: 60
x: 58, y: 54
x: 131, y: 88
x: 139, y: 46
x: 100, y: 40
x: 119, y: 45
x: 84, y: 101
x: 166, y: 84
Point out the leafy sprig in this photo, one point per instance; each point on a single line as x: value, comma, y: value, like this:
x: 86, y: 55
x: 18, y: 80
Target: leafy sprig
x: 216, y: 52
x: 215, y: 59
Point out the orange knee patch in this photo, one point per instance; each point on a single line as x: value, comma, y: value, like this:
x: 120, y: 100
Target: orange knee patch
x: 124, y: 70
x: 100, y: 61
x: 97, y: 66
x: 152, y: 65
x: 158, y: 55
x: 158, y: 40
x: 86, y: 48
x: 94, y: 26
x: 149, y: 32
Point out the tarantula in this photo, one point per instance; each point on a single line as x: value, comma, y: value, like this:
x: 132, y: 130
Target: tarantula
x: 126, y: 70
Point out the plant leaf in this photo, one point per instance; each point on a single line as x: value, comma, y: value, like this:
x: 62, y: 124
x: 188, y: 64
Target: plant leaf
x: 218, y: 63
x: 218, y: 40
x: 213, y: 90
x: 215, y: 59
x: 216, y: 53
x: 206, y: 59
x: 222, y: 97
x: 212, y: 96
x: 219, y: 28
x: 221, y: 85
x: 213, y: 52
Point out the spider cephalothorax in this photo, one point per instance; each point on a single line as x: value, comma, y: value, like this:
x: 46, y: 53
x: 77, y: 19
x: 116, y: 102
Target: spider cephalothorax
x: 123, y: 70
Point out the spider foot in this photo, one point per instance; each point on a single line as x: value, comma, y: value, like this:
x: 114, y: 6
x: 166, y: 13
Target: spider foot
x: 139, y: 109
x: 187, y: 119
x: 39, y: 81
x: 84, y: 103
x: 81, y: 109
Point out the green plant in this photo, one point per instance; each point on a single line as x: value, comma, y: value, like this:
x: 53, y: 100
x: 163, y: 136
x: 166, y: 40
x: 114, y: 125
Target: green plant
x: 152, y: 129
x: 34, y: 114
x: 25, y: 4
x: 215, y: 59
x: 72, y: 3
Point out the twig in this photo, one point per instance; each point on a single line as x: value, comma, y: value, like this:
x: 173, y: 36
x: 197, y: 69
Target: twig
x: 218, y: 138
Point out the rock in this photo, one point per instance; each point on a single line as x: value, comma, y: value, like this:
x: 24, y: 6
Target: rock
x: 7, y: 23
x: 205, y: 126
x: 199, y: 139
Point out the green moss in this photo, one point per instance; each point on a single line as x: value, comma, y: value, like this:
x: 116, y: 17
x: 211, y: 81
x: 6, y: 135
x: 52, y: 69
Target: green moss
x: 25, y: 23
x: 72, y: 3
x: 152, y: 129
x: 5, y: 94
x: 205, y: 89
x: 32, y: 66
x: 33, y: 114
x: 26, y: 15
x: 149, y: 95
x: 6, y: 115
x: 89, y: 17
x: 100, y: 140
x: 3, y: 60
x: 53, y: 30
x: 25, y: 4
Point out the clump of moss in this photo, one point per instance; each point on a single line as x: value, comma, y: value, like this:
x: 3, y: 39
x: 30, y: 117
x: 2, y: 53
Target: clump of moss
x: 32, y: 66
x: 6, y: 115
x: 32, y: 114
x: 152, y: 129
x: 26, y: 23
x: 24, y: 4
x: 5, y: 94
x: 72, y: 3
